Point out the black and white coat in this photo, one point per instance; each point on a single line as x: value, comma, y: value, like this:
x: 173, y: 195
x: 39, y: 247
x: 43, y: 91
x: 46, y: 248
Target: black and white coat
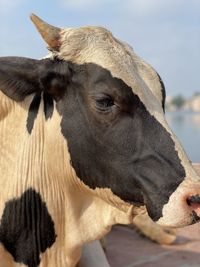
x: 84, y: 144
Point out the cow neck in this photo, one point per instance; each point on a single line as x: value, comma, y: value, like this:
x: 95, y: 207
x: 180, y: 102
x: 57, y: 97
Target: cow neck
x: 40, y: 160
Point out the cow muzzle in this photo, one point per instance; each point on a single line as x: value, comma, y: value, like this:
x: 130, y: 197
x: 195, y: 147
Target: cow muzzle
x: 183, y: 207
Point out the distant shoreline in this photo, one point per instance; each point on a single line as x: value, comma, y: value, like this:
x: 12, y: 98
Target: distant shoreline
x: 180, y: 103
x: 192, y: 112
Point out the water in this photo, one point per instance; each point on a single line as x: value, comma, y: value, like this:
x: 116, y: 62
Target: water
x: 186, y: 126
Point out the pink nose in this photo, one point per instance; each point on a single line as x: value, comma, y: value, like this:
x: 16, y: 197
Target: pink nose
x: 194, y: 205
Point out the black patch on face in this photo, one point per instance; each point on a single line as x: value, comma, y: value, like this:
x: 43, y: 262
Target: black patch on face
x: 33, y: 111
x: 27, y: 228
x: 114, y: 142
x: 163, y: 92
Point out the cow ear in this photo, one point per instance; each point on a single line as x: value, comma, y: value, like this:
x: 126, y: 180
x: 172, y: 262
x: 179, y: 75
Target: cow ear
x: 20, y: 77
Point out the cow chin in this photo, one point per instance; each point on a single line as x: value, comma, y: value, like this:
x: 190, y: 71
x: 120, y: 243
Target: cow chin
x: 183, y: 207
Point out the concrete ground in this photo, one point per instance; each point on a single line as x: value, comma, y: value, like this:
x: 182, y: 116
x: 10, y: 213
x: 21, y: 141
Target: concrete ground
x: 127, y: 248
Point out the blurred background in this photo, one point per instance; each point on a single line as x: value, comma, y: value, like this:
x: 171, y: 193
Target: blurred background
x: 165, y: 33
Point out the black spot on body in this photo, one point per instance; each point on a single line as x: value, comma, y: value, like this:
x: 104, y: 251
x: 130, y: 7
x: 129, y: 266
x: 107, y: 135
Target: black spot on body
x: 32, y: 112
x: 27, y: 228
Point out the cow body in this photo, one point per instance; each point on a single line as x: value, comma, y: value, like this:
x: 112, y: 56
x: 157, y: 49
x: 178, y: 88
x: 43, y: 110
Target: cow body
x: 84, y: 144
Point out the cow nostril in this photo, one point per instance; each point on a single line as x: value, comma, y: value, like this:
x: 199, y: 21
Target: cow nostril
x: 194, y: 205
x: 195, y: 217
x: 193, y: 201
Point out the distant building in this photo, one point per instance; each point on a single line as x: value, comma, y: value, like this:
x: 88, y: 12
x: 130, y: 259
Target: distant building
x: 193, y: 104
x: 169, y: 104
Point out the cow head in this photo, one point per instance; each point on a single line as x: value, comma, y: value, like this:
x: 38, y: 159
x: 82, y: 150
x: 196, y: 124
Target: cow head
x: 112, y: 107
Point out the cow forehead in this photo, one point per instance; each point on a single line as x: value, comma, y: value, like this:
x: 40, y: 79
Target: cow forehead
x: 97, y: 45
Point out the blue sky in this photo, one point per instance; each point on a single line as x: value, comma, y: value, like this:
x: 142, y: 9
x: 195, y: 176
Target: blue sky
x: 166, y: 33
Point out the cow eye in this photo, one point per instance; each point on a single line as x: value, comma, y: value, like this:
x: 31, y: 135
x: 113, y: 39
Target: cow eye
x: 104, y: 103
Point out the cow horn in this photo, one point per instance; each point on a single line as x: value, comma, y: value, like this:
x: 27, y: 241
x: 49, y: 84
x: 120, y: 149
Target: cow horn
x: 50, y: 34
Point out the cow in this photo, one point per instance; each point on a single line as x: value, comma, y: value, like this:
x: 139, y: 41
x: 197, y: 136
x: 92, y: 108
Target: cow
x: 84, y: 145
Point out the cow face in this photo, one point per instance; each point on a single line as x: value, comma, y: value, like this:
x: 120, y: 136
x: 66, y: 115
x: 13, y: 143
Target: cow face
x: 115, y: 143
x: 111, y: 107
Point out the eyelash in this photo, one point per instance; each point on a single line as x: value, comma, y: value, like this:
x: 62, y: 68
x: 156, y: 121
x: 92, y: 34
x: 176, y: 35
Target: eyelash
x: 105, y: 103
